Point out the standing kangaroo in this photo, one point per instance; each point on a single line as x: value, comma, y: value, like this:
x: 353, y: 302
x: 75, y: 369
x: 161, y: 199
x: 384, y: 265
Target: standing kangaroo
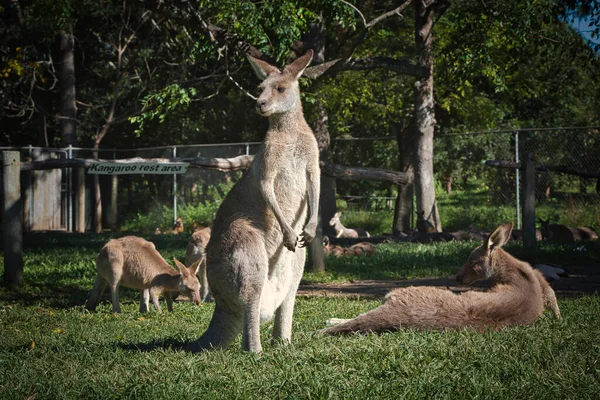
x: 196, y: 250
x: 518, y: 296
x: 342, y: 232
x: 135, y: 263
x: 254, y: 265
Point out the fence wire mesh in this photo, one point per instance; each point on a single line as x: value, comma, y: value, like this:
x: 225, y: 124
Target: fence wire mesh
x: 462, y: 178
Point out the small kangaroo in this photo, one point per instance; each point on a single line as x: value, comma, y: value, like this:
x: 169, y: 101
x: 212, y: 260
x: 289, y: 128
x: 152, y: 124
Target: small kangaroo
x: 178, y: 226
x: 424, y: 226
x: 255, y: 258
x: 342, y: 232
x: 135, y: 263
x: 196, y: 250
x: 518, y: 296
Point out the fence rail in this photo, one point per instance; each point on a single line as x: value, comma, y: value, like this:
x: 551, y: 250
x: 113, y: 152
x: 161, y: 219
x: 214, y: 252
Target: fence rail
x: 459, y: 165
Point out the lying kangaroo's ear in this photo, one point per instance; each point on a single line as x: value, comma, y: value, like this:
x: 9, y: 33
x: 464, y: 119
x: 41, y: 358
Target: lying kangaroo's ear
x: 499, y: 237
x: 180, y: 266
x: 194, y: 267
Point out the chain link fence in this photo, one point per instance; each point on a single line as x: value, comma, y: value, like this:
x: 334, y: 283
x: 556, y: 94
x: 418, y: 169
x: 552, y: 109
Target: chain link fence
x: 462, y: 178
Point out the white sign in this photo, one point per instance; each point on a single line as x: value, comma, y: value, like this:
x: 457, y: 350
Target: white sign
x: 116, y: 168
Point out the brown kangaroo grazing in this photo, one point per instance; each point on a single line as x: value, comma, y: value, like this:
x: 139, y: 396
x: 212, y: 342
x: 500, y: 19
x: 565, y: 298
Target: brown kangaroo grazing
x: 424, y: 226
x: 518, y: 296
x: 196, y: 250
x: 342, y: 232
x: 135, y: 263
x: 254, y: 265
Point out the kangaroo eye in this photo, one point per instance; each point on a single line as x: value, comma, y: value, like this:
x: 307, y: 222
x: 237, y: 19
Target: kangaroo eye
x: 281, y: 89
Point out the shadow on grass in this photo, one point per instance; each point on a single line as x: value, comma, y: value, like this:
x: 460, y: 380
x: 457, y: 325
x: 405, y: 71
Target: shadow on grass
x: 164, y: 344
x: 61, y: 298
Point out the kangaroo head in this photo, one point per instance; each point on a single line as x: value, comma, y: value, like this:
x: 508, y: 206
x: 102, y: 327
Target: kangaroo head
x: 480, y: 264
x: 420, y: 215
x: 325, y: 241
x: 545, y: 228
x: 188, y: 281
x: 335, y: 219
x: 280, y: 91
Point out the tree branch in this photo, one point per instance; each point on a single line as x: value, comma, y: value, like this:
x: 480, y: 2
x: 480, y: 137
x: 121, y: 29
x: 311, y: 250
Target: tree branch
x: 400, y: 66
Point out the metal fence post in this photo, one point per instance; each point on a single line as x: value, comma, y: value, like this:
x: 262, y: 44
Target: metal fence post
x: 517, y: 183
x: 69, y: 192
x: 174, y: 188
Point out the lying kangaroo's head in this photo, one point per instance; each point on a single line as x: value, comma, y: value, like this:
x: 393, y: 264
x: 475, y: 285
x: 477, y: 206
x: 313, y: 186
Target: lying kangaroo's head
x: 480, y: 264
x: 188, y: 281
x: 279, y: 90
x: 335, y: 219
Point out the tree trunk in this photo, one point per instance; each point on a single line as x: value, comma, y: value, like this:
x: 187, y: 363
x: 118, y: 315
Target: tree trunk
x: 404, y: 200
x: 424, y: 118
x: 327, y: 196
x: 68, y: 107
x: 315, y: 39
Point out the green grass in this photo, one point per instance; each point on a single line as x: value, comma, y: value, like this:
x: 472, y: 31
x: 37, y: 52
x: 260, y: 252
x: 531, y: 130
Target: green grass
x: 53, y: 348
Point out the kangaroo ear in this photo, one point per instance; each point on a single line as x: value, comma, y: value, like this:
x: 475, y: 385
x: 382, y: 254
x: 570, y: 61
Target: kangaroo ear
x: 180, y: 266
x: 262, y: 68
x: 194, y: 267
x: 499, y: 237
x: 296, y: 68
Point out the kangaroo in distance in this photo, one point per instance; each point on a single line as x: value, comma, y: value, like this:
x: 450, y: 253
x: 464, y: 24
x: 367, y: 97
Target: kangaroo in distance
x: 354, y: 250
x: 563, y: 234
x: 254, y: 265
x: 196, y: 250
x: 135, y: 263
x: 424, y: 226
x: 519, y: 295
x: 342, y: 232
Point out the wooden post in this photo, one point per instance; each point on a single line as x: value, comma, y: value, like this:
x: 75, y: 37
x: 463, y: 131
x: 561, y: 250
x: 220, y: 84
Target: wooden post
x: 12, y: 221
x: 529, y: 239
x: 81, y: 200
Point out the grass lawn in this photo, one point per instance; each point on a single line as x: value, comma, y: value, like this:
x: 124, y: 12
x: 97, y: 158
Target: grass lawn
x: 52, y: 348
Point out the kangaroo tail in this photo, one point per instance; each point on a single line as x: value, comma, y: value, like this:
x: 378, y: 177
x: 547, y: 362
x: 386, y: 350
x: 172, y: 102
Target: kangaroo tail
x: 377, y: 320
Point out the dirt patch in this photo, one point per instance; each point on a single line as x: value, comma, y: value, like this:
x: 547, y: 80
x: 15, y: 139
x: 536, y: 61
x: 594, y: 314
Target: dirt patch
x: 581, y: 280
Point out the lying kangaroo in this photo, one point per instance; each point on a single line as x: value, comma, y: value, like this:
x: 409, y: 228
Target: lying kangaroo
x: 254, y: 265
x: 342, y: 232
x: 332, y: 249
x: 557, y: 232
x: 196, y: 250
x: 354, y: 250
x: 424, y: 226
x: 518, y: 296
x: 135, y: 263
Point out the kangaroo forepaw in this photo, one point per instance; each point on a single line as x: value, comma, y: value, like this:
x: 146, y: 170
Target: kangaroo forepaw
x: 306, y: 238
x: 290, y: 240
